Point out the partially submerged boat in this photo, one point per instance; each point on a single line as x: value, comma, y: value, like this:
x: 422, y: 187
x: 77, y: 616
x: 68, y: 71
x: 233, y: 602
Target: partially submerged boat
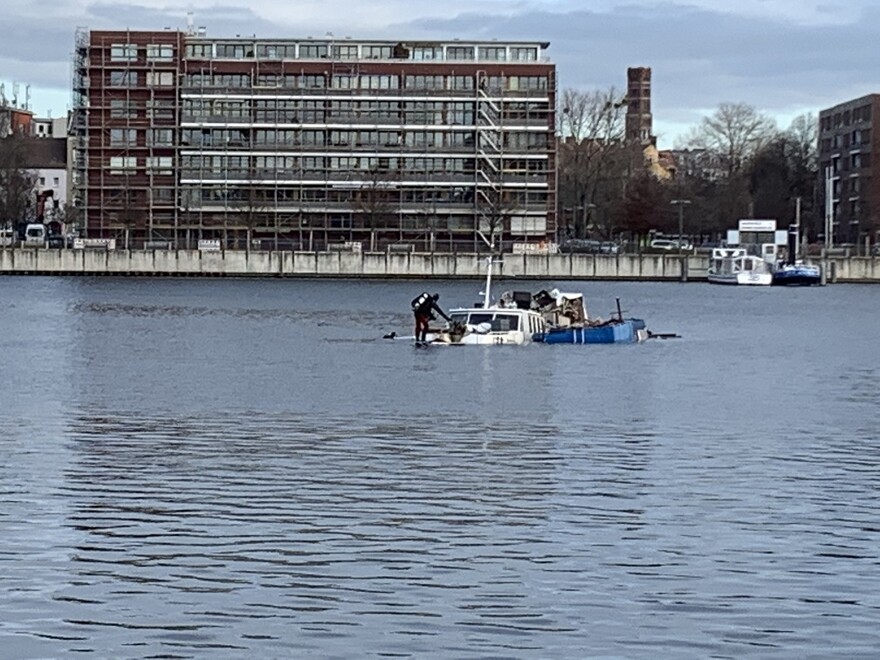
x: 521, y: 317
x: 571, y: 324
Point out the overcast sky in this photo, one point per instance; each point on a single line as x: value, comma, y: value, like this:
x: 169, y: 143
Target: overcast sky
x: 784, y: 57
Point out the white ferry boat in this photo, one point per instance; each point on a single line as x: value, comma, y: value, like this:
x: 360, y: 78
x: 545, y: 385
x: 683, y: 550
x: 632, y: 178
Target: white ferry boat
x: 737, y: 266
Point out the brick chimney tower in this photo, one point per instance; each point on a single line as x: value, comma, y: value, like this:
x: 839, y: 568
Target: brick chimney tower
x: 638, y: 110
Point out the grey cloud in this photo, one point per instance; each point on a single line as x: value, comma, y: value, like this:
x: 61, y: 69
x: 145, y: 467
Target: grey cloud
x: 699, y: 58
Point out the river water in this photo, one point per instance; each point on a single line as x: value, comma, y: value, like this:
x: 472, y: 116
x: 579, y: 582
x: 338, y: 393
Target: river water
x: 237, y: 468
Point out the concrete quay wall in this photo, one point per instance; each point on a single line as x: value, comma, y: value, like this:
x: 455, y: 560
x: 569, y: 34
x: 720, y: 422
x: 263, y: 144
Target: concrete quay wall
x: 386, y: 265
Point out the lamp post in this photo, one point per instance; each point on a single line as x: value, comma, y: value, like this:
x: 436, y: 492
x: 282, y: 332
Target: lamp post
x: 680, y: 203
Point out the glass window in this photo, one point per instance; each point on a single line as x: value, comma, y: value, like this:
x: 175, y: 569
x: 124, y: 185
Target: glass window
x: 376, y: 52
x: 426, y: 53
x: 312, y: 51
x: 160, y: 78
x: 345, y: 52
x: 161, y: 137
x: 122, y: 79
x: 122, y: 164
x: 123, y: 137
x: 505, y: 322
x: 159, y: 165
x: 460, y: 53
x: 520, y: 54
x: 199, y: 51
x: 160, y: 52
x: 493, y: 53
x: 120, y: 108
x: 123, y: 53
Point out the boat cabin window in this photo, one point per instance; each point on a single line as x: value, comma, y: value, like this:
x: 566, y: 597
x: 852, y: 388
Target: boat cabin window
x: 505, y: 322
x: 458, y: 318
x: 477, y: 319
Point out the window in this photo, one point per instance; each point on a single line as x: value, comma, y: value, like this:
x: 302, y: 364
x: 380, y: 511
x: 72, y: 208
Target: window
x: 493, y: 53
x: 161, y: 137
x: 55, y: 182
x: 276, y: 52
x: 163, y: 195
x: 120, y: 108
x: 378, y: 82
x: 345, y: 52
x: 234, y: 51
x: 42, y: 181
x: 376, y: 52
x: 199, y: 51
x: 122, y: 79
x: 122, y: 164
x: 519, y: 54
x: 160, y: 52
x: 160, y: 78
x: 160, y: 108
x: 120, y: 137
x: 460, y: 53
x: 312, y: 51
x: 312, y: 82
x: 159, y: 165
x: 123, y: 53
x: 425, y: 82
x: 426, y: 53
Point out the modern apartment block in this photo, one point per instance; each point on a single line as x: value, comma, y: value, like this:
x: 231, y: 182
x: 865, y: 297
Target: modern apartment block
x: 307, y: 143
x: 849, y: 137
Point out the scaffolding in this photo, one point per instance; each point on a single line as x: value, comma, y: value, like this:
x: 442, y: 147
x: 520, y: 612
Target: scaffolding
x: 237, y: 139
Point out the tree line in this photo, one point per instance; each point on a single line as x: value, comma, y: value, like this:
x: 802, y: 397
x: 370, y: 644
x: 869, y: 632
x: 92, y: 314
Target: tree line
x: 736, y: 163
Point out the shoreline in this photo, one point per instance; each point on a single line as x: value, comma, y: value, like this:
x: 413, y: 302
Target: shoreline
x: 387, y: 265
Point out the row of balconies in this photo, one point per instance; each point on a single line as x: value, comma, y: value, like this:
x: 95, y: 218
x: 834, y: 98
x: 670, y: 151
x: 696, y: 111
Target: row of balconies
x: 434, y: 178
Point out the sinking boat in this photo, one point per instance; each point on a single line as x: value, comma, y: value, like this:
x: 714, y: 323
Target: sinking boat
x: 521, y: 317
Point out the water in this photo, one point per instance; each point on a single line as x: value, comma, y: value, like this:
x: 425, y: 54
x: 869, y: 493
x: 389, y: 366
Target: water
x: 213, y: 468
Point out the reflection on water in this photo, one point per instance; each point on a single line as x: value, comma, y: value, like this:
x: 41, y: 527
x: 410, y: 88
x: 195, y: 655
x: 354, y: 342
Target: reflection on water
x: 210, y: 469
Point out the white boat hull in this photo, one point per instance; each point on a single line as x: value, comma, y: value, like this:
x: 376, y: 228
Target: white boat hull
x: 747, y: 279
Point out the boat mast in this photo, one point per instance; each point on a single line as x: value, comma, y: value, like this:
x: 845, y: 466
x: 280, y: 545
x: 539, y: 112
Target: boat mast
x: 487, y: 293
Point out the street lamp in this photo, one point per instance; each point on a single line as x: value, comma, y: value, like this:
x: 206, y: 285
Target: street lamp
x: 680, y: 203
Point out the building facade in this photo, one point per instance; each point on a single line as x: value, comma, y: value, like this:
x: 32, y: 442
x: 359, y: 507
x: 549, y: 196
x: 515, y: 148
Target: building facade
x: 850, y: 179
x: 306, y: 143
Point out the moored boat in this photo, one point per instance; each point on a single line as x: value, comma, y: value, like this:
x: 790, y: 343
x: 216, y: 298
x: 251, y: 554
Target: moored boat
x: 737, y: 266
x: 793, y: 271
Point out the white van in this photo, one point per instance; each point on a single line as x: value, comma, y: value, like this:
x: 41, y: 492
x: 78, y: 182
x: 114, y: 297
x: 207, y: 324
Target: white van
x: 7, y: 237
x: 35, y: 235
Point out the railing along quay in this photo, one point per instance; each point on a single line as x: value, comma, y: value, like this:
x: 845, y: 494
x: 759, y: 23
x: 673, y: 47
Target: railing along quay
x: 386, y: 265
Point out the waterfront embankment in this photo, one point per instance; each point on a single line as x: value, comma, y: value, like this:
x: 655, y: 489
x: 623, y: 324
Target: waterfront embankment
x: 386, y: 265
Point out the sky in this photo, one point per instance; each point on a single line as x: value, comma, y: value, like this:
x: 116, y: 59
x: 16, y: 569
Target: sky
x: 783, y: 57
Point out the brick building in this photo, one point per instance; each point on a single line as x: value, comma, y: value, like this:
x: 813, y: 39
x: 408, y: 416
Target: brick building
x: 310, y: 142
x: 849, y: 139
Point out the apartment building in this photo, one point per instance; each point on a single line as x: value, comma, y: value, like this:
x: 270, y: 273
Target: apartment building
x: 311, y: 143
x: 849, y: 138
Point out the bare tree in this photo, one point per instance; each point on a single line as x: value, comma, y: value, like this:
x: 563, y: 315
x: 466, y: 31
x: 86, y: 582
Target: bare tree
x: 374, y: 202
x: 17, y: 183
x: 495, y: 207
x: 735, y: 132
x: 591, y: 127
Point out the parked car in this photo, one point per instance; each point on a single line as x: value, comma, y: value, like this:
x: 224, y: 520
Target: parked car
x: 671, y: 244
x: 35, y: 235
x: 580, y: 246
